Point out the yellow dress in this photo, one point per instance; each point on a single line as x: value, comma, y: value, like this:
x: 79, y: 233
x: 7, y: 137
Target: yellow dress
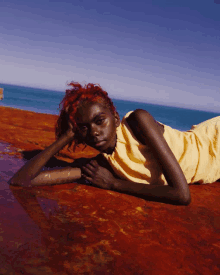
x: 197, y: 151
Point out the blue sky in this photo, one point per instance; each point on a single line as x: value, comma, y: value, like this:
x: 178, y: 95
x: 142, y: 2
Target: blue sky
x: 156, y: 51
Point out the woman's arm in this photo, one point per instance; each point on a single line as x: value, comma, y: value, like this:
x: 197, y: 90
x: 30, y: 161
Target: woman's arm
x: 146, y: 129
x: 29, y: 174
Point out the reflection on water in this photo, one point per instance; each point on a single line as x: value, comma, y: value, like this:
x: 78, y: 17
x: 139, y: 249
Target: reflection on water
x: 77, y: 229
x: 70, y: 235
x: 55, y: 230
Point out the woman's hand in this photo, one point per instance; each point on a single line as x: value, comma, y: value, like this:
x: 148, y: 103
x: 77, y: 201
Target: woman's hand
x: 98, y: 175
x: 70, y: 133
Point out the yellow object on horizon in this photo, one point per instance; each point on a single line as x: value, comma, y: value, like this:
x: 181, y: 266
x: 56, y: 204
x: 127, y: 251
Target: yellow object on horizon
x: 1, y: 93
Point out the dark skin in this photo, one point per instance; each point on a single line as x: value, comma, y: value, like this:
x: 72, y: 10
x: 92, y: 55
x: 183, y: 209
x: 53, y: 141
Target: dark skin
x: 97, y: 128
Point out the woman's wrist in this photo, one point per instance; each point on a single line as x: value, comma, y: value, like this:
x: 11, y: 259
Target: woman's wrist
x: 70, y: 135
x: 64, y: 139
x: 115, y: 185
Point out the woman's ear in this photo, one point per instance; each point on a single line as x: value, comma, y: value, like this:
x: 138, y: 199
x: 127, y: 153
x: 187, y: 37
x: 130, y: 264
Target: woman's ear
x: 117, y: 119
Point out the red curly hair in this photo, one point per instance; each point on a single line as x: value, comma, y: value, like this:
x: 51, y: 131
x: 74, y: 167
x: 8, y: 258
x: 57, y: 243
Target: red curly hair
x: 74, y: 97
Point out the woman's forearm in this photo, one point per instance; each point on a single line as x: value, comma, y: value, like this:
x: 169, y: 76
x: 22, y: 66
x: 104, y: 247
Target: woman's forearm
x: 33, y: 167
x: 166, y: 193
x: 60, y: 176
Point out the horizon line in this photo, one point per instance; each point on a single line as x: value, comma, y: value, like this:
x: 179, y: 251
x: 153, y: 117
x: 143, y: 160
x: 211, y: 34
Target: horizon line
x: 189, y: 107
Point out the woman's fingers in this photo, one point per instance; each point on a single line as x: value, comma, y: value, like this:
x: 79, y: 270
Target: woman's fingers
x: 70, y: 126
x: 87, y: 178
x: 88, y: 169
x: 94, y: 163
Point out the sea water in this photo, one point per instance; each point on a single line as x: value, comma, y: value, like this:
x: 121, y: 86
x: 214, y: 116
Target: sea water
x: 47, y: 101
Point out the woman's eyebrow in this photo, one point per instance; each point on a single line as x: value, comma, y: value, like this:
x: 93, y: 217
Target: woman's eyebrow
x: 93, y: 118
x: 97, y: 116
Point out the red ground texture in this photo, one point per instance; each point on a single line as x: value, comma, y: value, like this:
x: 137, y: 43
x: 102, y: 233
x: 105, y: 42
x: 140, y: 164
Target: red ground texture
x: 79, y: 229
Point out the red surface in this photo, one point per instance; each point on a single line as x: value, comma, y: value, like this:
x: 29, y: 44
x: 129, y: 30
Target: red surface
x: 76, y: 229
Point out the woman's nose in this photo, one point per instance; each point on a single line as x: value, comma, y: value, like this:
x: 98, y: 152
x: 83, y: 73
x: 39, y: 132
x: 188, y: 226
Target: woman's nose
x: 94, y: 131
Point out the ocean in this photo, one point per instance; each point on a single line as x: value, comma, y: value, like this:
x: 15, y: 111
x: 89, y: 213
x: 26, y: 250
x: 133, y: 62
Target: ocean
x: 47, y: 101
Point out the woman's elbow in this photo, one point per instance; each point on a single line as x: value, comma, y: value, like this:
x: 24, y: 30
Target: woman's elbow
x: 18, y: 182
x: 185, y: 199
x: 12, y: 182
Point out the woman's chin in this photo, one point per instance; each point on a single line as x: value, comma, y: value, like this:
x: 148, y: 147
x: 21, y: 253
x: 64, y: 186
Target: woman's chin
x: 101, y: 149
x: 104, y: 146
x: 108, y: 150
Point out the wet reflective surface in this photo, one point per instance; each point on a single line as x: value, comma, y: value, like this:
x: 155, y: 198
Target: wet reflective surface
x: 78, y: 229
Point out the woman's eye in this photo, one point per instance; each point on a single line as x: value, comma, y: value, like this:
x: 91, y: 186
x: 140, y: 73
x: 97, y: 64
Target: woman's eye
x: 83, y: 128
x: 100, y: 121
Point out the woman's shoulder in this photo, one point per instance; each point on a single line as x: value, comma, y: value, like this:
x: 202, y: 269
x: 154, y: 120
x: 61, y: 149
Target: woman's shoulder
x: 139, y: 116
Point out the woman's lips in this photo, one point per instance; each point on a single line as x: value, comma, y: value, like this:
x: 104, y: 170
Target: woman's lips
x: 100, y: 143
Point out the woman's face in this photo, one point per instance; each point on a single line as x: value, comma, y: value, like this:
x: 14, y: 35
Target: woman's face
x: 97, y: 126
